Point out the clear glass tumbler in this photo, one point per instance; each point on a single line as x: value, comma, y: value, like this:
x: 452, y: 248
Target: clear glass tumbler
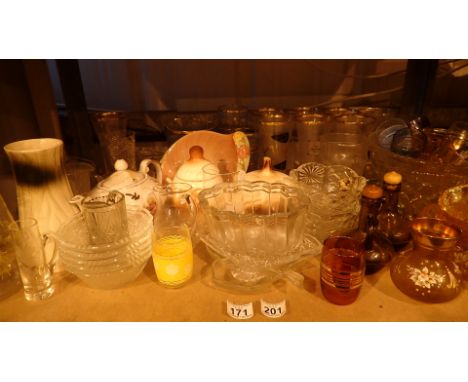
x: 341, y: 270
x: 347, y: 149
x: 309, y: 127
x: 81, y: 175
x: 35, y: 272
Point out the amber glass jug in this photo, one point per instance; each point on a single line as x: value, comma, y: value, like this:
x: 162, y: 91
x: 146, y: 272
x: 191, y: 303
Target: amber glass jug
x: 427, y: 272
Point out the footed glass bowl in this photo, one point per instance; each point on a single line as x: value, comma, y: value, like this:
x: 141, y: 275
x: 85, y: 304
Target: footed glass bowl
x: 257, y: 227
x: 334, y: 193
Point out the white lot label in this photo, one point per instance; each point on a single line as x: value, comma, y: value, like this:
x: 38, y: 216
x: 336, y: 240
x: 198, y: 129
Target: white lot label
x: 273, y: 310
x: 240, y: 311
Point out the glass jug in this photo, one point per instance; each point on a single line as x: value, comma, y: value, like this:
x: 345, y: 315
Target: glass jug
x: 427, y: 272
x: 172, y: 243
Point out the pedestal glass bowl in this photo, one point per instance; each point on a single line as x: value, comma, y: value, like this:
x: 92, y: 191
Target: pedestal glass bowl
x: 334, y: 192
x: 106, y: 266
x: 256, y: 228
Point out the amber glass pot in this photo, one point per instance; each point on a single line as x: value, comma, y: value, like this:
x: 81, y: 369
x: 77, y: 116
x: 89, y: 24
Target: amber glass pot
x: 427, y: 272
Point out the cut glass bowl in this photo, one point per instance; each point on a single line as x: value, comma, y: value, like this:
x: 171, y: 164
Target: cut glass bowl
x: 334, y: 192
x: 106, y: 266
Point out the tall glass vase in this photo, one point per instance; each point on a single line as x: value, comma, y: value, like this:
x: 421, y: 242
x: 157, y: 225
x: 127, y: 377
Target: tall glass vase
x: 42, y: 188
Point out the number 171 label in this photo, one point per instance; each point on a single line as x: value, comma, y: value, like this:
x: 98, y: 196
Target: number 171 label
x: 240, y: 311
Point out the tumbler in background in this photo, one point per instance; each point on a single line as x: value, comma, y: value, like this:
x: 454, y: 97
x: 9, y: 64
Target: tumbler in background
x: 81, y: 175
x: 352, y: 122
x: 347, y: 149
x: 117, y: 142
x: 274, y: 130
x: 309, y: 127
x: 234, y: 118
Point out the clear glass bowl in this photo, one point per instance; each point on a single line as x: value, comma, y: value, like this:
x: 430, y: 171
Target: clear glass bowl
x: 106, y: 266
x: 334, y: 192
x: 423, y: 180
x: 257, y: 226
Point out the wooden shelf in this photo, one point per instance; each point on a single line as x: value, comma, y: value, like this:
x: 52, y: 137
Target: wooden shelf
x: 146, y: 300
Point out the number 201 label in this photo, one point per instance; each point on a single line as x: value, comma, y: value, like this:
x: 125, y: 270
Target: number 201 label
x: 273, y: 310
x: 240, y: 312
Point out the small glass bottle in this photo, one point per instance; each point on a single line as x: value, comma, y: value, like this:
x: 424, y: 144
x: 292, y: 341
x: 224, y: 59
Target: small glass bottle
x: 391, y: 222
x: 378, y: 249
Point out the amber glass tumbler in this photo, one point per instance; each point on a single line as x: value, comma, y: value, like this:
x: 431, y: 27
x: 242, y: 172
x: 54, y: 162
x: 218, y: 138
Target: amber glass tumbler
x: 341, y: 270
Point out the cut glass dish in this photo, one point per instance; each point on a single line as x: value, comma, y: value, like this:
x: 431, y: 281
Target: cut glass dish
x: 334, y: 193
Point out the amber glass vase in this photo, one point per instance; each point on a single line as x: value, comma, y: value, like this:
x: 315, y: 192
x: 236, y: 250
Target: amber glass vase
x: 427, y: 272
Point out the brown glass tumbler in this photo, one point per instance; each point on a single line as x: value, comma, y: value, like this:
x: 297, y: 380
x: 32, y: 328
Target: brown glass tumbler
x: 341, y: 270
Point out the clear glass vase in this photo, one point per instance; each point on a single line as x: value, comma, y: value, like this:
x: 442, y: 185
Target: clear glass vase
x: 427, y: 272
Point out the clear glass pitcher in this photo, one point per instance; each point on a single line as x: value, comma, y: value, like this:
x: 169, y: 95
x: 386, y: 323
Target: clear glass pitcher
x: 174, y: 206
x: 174, y: 220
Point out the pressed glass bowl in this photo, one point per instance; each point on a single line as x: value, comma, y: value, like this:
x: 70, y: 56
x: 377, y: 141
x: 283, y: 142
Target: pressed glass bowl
x: 334, y: 193
x: 423, y: 180
x: 258, y: 226
x: 106, y: 266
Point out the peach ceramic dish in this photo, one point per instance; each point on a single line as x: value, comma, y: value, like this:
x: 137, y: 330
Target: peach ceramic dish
x: 216, y: 147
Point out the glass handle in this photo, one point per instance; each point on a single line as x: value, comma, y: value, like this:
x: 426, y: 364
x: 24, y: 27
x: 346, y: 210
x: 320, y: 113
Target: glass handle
x: 193, y: 209
x: 53, y: 259
x: 77, y: 200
